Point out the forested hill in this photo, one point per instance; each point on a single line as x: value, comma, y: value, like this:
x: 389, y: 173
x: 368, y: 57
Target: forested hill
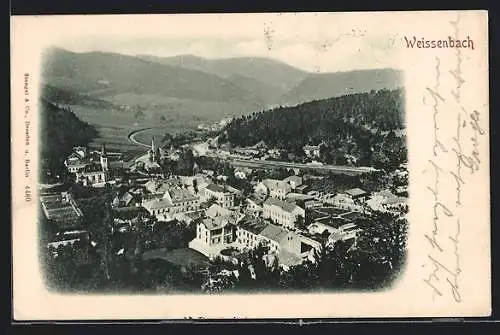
x: 60, y: 131
x: 352, y: 124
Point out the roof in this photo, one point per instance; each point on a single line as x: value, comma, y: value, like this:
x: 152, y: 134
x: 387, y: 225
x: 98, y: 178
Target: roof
x: 75, y: 159
x: 181, y: 195
x: 252, y: 225
x: 297, y: 196
x: 92, y: 168
x: 286, y: 206
x: 160, y: 186
x: 156, y: 204
x: 256, y: 201
x: 127, y: 198
x: 355, y: 192
x: 273, y: 184
x: 216, y: 188
x: 295, y: 179
x: 216, y: 210
x: 59, y: 243
x: 215, y: 223
x: 311, y: 147
x: 260, y: 144
x: 274, y: 233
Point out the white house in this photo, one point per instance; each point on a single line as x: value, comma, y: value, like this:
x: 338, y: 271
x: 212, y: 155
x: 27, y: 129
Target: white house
x: 222, y: 195
x: 293, y: 181
x: 275, y: 188
x: 175, y: 200
x: 212, y: 236
x: 282, y: 212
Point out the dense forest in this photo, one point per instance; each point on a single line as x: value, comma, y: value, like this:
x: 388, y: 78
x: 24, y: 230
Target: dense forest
x: 60, y: 131
x: 360, y: 125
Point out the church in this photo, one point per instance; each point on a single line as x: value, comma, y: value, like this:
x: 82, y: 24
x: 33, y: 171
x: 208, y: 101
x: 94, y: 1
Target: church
x: 94, y: 173
x: 151, y: 160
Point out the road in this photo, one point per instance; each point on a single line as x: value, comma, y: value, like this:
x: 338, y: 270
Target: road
x: 132, y: 139
x: 274, y: 164
x: 269, y: 163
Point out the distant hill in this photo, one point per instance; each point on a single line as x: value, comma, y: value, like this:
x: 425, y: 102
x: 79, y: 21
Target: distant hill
x: 326, y: 85
x: 102, y: 74
x: 278, y: 75
x: 182, y: 91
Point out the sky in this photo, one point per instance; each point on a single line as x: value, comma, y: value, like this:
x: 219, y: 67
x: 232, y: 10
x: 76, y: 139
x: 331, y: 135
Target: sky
x: 312, y: 42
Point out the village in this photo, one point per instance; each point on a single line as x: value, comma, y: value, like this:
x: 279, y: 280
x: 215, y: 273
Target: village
x: 290, y: 217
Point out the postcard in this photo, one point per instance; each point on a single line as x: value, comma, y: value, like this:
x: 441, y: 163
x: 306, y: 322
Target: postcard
x: 236, y: 166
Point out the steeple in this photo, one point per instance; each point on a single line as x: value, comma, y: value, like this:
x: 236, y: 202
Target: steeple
x: 153, y: 144
x: 104, y: 158
x: 103, y: 150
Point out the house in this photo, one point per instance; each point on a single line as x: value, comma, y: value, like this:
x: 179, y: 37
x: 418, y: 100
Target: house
x: 260, y: 145
x: 337, y: 229
x: 90, y: 169
x: 312, y: 150
x: 402, y: 191
x: 77, y: 160
x: 284, y: 243
x: 92, y: 175
x: 357, y: 194
x: 386, y: 201
x: 216, y: 210
x: 195, y: 183
x: 294, y: 197
x: 79, y: 246
x: 212, y: 236
x: 226, y: 149
x: 160, y: 186
x: 125, y: 200
x: 279, y: 238
x: 209, y: 173
x: 302, y: 189
x: 175, y: 200
x: 312, y: 203
x: 275, y: 188
x: 282, y: 212
x: 222, y: 195
x: 254, y: 206
x: 293, y: 181
x: 343, y: 201
x: 248, y: 233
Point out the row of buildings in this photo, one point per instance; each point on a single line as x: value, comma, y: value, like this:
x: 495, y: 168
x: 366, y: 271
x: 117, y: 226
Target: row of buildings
x: 280, y: 213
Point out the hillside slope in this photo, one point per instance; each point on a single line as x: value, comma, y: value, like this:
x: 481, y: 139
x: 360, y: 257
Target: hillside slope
x: 326, y: 85
x: 60, y: 131
x: 355, y: 124
x: 271, y: 72
x: 106, y: 74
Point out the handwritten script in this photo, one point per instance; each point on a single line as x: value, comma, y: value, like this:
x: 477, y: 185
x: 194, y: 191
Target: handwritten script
x: 442, y: 269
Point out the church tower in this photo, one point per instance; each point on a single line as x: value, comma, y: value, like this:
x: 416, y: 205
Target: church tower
x: 154, y: 153
x: 104, y: 158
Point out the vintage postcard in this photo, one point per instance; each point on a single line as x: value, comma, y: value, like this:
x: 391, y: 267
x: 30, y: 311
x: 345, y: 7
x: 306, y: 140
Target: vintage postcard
x: 281, y: 165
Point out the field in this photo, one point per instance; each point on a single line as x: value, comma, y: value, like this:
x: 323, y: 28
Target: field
x: 160, y: 115
x: 179, y: 111
x: 115, y: 125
